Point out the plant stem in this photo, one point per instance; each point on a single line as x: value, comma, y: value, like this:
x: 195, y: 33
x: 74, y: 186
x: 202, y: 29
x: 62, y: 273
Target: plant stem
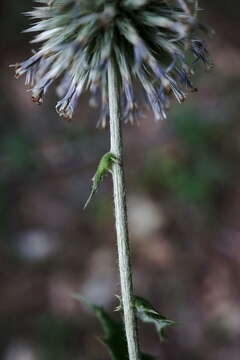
x: 121, y: 216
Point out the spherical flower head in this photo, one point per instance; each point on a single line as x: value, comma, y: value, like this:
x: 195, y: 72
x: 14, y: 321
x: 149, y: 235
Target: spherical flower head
x: 154, y: 43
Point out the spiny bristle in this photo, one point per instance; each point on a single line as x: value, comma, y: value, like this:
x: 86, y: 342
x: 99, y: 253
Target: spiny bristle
x: 153, y: 42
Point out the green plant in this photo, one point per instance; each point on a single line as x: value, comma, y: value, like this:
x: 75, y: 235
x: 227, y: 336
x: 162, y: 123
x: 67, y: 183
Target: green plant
x: 107, y: 47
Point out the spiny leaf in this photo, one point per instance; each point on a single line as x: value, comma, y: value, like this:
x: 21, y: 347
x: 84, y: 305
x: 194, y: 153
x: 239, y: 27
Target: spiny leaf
x: 146, y: 313
x: 104, y: 166
x: 113, y: 333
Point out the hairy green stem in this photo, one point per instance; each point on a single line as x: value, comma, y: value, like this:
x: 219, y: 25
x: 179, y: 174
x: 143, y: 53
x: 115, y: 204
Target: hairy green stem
x: 121, y: 216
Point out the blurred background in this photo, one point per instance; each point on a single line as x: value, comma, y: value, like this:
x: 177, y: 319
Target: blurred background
x: 183, y: 180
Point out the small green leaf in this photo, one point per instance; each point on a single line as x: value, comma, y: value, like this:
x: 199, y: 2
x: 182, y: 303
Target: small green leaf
x: 146, y: 313
x: 104, y: 166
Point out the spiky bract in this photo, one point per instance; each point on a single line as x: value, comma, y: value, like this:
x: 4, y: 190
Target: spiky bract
x: 153, y: 43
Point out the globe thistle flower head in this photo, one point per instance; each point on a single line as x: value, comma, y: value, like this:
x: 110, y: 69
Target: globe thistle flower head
x: 153, y: 43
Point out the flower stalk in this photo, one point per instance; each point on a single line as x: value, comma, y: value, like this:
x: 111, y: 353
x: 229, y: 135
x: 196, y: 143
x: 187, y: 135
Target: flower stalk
x: 119, y: 190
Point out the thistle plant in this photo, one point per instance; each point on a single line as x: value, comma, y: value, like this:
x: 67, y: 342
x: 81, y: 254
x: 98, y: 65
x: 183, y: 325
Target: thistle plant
x: 111, y: 48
